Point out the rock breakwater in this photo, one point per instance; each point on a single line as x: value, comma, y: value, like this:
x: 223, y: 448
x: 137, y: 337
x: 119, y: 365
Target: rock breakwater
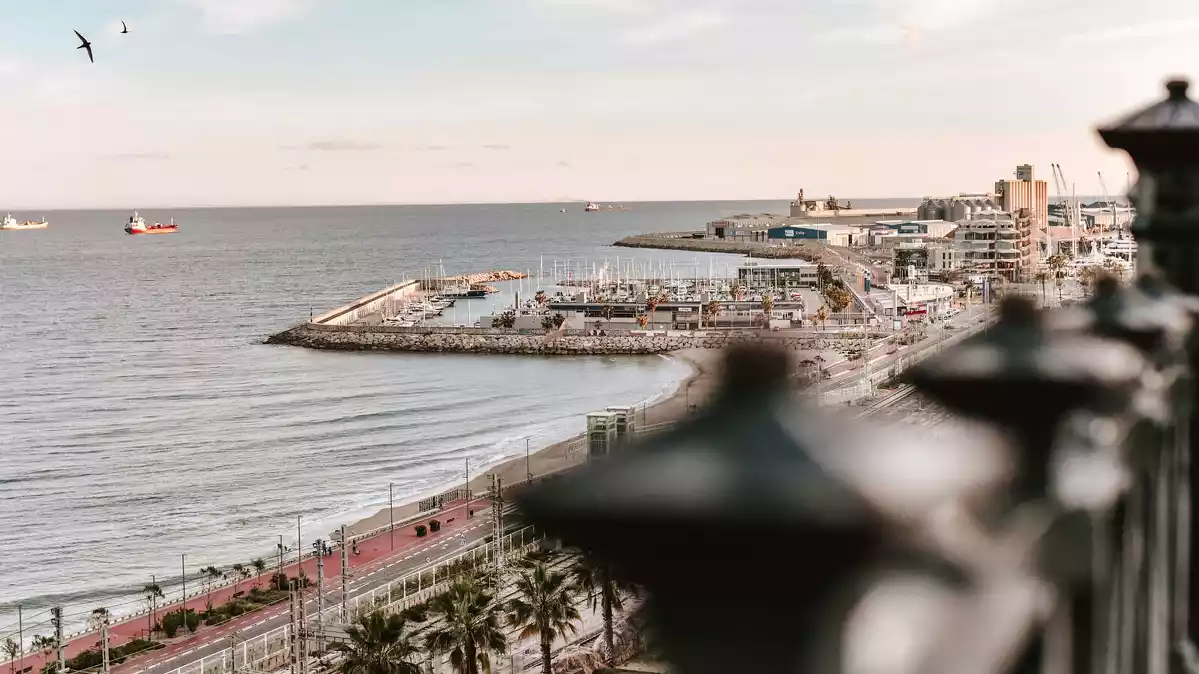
x: 494, y: 341
x: 684, y: 241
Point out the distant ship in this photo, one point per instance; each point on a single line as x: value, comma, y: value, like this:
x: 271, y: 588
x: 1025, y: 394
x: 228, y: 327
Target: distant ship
x: 591, y: 207
x: 137, y: 225
x: 10, y: 223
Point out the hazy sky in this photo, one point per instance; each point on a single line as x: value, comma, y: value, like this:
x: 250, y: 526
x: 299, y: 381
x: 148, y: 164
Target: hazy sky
x: 228, y: 102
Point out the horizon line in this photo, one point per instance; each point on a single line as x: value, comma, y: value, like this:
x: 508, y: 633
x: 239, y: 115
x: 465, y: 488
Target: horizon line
x: 445, y: 203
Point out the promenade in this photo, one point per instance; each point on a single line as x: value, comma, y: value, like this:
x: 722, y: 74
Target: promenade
x: 375, y: 555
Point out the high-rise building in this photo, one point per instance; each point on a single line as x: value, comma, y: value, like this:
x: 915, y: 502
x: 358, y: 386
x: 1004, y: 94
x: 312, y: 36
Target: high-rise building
x: 1026, y: 192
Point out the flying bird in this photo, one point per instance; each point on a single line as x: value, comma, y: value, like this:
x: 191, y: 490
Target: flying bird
x: 124, y: 28
x: 86, y: 45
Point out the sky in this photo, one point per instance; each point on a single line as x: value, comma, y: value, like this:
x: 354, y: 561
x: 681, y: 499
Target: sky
x: 303, y: 102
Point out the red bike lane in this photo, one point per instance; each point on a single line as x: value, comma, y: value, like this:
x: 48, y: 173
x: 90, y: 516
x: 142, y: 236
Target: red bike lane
x: 373, y: 551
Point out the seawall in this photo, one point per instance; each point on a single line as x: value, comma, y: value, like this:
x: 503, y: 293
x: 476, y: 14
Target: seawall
x: 533, y: 343
x: 684, y: 241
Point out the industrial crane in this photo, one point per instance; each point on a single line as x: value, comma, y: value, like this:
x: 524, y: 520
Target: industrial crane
x: 1106, y: 200
x: 1059, y: 182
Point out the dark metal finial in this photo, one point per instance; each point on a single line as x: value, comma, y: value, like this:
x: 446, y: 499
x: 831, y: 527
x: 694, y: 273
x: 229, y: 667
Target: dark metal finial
x: 1107, y: 286
x: 1020, y: 311
x: 1177, y: 89
x: 755, y: 369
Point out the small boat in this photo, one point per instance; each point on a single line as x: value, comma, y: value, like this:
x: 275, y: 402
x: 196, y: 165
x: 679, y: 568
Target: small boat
x: 591, y: 207
x: 137, y: 225
x: 10, y: 223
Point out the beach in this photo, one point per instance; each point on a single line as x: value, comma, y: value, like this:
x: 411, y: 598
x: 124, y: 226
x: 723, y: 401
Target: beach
x: 693, y: 390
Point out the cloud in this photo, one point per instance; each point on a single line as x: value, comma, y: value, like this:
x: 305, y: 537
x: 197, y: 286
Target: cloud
x: 432, y: 148
x: 339, y: 145
x: 497, y: 147
x: 676, y: 26
x: 236, y: 17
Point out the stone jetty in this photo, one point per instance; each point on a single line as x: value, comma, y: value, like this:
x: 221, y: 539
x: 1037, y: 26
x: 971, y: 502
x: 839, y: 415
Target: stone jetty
x: 685, y: 241
x: 533, y: 343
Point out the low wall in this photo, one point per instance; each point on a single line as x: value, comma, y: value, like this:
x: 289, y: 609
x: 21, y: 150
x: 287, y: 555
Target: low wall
x: 488, y: 340
x: 370, y: 304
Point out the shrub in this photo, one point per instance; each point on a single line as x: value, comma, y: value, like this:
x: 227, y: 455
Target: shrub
x: 434, y: 526
x: 421, y: 530
x: 171, y: 622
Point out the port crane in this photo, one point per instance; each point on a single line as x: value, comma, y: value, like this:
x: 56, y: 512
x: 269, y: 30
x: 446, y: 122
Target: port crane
x: 1059, y: 183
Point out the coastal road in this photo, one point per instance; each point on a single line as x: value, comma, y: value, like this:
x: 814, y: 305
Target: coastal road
x: 376, y: 554
x: 451, y: 541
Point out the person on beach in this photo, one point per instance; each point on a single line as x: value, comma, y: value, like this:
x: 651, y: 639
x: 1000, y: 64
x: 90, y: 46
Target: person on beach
x: 354, y: 547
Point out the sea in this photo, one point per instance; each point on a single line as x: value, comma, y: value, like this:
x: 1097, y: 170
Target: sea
x: 143, y: 419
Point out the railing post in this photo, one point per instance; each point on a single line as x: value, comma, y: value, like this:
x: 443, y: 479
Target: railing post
x: 1163, y: 141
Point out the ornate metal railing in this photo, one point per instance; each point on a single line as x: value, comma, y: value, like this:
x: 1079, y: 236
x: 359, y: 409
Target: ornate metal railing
x: 1061, y: 542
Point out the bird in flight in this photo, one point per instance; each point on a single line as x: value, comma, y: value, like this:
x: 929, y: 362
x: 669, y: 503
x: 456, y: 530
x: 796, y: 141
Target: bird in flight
x: 124, y: 28
x: 86, y: 45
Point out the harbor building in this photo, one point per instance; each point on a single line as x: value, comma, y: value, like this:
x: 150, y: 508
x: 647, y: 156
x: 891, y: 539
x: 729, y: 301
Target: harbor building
x: 824, y: 232
x: 1027, y: 193
x: 778, y: 274
x: 997, y: 246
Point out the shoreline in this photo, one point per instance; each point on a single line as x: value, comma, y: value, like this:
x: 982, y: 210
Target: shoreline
x: 694, y: 389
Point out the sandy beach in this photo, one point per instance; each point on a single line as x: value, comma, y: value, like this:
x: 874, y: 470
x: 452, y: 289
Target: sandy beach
x: 694, y: 391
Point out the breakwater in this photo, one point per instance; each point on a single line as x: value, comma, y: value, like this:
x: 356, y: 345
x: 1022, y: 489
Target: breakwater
x: 686, y: 241
x: 525, y: 342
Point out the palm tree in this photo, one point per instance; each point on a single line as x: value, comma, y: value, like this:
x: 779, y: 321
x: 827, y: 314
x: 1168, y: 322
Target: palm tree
x: 545, y: 607
x: 97, y: 619
x: 1041, y: 277
x: 767, y: 304
x: 11, y: 649
x: 211, y: 576
x: 379, y: 644
x: 595, y: 581
x: 711, y: 309
x: 468, y: 627
x: 607, y: 311
x: 44, y: 644
x: 153, y: 593
x: 821, y: 315
x: 969, y: 286
x: 259, y: 567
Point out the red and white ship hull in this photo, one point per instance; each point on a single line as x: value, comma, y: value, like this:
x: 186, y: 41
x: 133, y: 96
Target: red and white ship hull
x: 163, y: 229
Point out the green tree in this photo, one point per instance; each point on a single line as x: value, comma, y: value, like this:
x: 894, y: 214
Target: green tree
x: 710, y: 310
x: 467, y: 627
x: 44, y: 644
x: 11, y: 649
x: 553, y: 321
x: 767, y: 304
x: 152, y: 592
x: 211, y: 576
x: 544, y: 606
x: 968, y: 287
x: 380, y: 644
x: 505, y: 320
x: 259, y: 568
x: 1042, y: 277
x: 242, y: 572
x: 838, y: 298
x: 821, y: 315
x: 97, y: 619
x: 595, y: 581
x: 607, y: 312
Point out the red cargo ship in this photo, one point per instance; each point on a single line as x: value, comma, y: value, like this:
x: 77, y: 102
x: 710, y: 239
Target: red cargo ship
x: 137, y: 225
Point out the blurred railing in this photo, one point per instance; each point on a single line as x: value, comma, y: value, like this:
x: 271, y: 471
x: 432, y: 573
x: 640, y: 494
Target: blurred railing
x: 1052, y: 535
